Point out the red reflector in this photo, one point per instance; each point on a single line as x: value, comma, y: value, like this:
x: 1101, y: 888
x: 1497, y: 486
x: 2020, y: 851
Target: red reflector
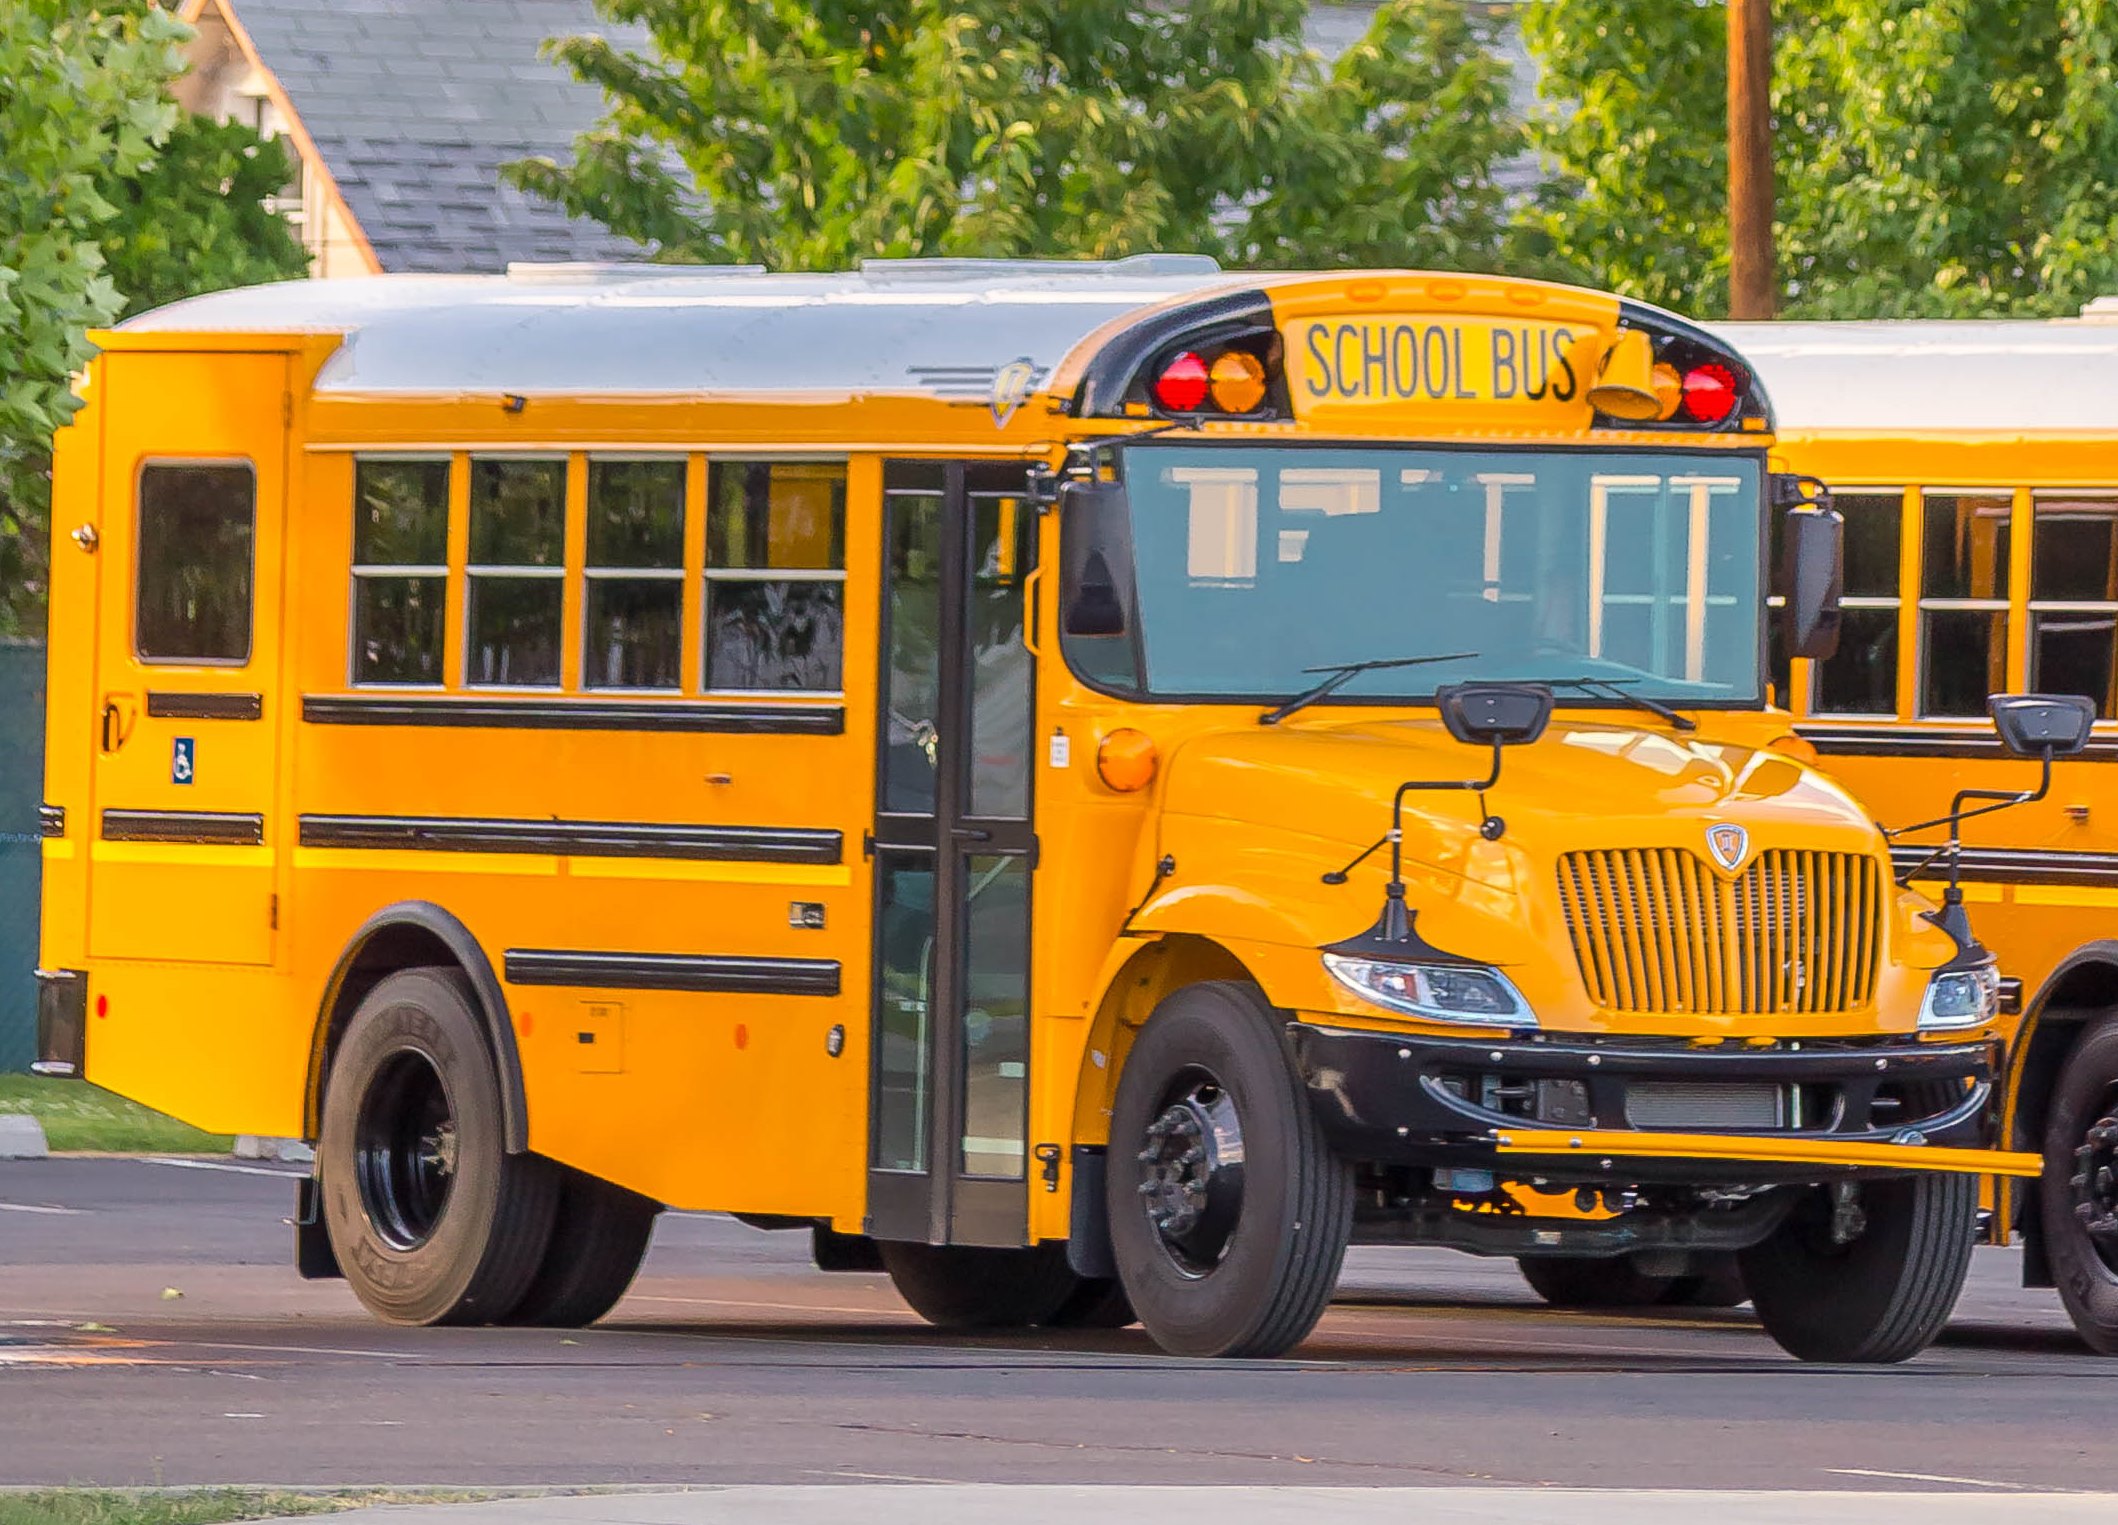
x: 1182, y: 385
x: 1709, y: 392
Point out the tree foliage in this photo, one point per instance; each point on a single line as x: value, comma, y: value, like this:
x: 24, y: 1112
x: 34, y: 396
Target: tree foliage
x: 199, y: 218
x: 1933, y: 157
x: 94, y: 225
x: 809, y: 135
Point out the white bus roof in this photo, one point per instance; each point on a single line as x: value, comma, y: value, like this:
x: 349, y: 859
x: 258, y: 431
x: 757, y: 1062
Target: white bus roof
x: 935, y: 327
x: 1918, y: 377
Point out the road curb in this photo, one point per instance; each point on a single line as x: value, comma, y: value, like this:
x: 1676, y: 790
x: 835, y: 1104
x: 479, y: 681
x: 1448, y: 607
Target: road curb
x: 22, y: 1137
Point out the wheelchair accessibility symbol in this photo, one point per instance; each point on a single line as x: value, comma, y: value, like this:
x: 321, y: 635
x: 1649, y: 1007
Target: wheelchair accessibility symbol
x: 183, y: 761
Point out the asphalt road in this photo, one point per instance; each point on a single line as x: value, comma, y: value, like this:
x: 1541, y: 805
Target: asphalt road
x: 152, y: 1332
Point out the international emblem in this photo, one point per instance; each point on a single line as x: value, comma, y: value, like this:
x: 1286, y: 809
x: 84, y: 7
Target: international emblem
x: 1729, y: 843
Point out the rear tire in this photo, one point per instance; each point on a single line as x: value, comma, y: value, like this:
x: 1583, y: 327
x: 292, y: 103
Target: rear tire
x: 2078, y: 1195
x: 962, y: 1286
x: 1880, y: 1297
x: 599, y: 1238
x: 432, y: 1220
x: 1229, y: 1214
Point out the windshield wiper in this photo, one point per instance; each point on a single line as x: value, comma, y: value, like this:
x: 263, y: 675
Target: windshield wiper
x: 1346, y: 672
x: 1614, y: 688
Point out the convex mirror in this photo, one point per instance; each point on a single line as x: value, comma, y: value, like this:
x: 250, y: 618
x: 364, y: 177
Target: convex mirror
x: 2031, y: 725
x: 1495, y: 714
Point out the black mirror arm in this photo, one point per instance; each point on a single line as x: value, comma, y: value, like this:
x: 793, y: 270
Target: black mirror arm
x: 2001, y: 799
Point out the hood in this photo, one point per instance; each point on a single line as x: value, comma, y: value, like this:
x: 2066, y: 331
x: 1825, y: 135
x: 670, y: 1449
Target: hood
x: 1583, y: 785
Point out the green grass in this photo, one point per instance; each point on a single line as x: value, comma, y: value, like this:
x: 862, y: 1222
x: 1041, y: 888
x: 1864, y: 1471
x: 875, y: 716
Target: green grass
x: 69, y: 1506
x: 77, y: 1115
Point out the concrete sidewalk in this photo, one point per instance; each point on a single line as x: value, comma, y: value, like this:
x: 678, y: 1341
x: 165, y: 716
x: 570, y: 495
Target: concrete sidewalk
x: 989, y: 1504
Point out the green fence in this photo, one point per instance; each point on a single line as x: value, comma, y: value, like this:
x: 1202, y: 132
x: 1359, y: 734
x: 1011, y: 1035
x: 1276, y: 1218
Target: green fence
x: 21, y: 858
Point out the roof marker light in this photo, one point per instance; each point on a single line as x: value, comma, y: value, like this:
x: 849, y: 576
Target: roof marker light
x: 1182, y: 385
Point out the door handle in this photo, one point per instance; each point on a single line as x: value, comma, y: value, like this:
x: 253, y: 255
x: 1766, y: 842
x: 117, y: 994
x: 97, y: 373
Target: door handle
x: 969, y: 834
x: 113, y: 734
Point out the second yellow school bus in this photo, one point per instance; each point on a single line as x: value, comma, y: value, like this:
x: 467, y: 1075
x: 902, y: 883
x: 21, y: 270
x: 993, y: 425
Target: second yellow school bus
x: 1088, y: 787
x: 1976, y: 464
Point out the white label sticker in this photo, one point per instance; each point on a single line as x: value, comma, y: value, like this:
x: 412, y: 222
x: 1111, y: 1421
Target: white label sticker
x: 1062, y: 749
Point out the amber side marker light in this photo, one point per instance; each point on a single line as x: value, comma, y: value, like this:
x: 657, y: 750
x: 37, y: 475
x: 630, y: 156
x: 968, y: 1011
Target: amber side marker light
x: 1125, y: 760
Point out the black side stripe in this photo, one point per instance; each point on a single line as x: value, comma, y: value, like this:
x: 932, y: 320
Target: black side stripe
x: 1908, y: 741
x: 51, y: 820
x: 725, y: 973
x: 2006, y: 865
x: 587, y: 839
x: 206, y: 706
x: 577, y: 714
x: 216, y: 826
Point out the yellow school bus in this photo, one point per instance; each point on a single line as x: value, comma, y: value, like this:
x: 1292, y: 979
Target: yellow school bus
x: 1976, y: 465
x: 1088, y: 787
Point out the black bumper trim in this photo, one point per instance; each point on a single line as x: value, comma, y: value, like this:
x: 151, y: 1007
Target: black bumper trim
x: 62, y: 1024
x: 1382, y: 1097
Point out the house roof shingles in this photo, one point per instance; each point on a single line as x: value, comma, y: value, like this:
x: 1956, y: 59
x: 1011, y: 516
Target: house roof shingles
x: 414, y: 106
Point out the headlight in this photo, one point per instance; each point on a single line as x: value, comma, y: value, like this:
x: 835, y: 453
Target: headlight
x: 1438, y: 992
x: 1962, y: 997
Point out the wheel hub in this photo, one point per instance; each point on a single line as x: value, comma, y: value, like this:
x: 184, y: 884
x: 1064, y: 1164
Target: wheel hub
x: 405, y: 1150
x: 2095, y: 1184
x: 1191, y: 1174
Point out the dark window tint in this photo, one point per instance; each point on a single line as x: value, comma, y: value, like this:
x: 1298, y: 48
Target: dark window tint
x: 636, y: 513
x: 2076, y: 551
x: 401, y: 513
x: 198, y: 527
x: 397, y: 629
x: 518, y: 512
x: 1861, y: 677
x: 513, y: 625
x: 633, y: 623
x: 634, y: 632
x: 2071, y: 653
x: 1966, y: 546
x: 784, y: 635
x: 1874, y: 521
x: 1963, y: 660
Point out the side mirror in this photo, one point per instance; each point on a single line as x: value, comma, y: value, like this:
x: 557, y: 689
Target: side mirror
x: 1095, y: 559
x: 1812, y: 579
x: 1495, y: 714
x: 2033, y: 725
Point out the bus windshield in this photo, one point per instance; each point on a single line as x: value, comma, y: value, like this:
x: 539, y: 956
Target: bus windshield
x: 1257, y: 565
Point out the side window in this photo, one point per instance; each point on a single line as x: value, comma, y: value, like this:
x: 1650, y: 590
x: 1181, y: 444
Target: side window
x: 1861, y: 678
x: 775, y: 575
x: 2074, y: 597
x: 1963, y: 601
x: 634, y: 632
x: 514, y: 589
x: 193, y: 579
x: 400, y: 568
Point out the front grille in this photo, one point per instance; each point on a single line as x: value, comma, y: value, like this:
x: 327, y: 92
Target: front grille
x: 1657, y: 929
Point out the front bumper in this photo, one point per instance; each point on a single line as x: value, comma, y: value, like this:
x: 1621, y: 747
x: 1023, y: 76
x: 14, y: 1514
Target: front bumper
x: 1578, y: 1110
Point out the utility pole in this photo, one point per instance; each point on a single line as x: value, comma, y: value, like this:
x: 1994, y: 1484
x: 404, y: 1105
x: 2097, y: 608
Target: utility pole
x: 1753, y: 290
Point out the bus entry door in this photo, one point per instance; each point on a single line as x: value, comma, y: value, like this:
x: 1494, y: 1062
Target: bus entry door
x: 948, y: 1155
x: 187, y: 658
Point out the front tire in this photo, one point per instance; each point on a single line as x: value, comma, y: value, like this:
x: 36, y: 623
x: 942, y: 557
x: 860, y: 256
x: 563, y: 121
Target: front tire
x: 1873, y: 1281
x: 2078, y: 1195
x: 1231, y: 1224
x: 432, y: 1220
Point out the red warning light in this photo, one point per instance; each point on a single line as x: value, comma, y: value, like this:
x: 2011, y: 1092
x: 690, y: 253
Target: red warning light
x: 1182, y: 385
x: 1709, y: 392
